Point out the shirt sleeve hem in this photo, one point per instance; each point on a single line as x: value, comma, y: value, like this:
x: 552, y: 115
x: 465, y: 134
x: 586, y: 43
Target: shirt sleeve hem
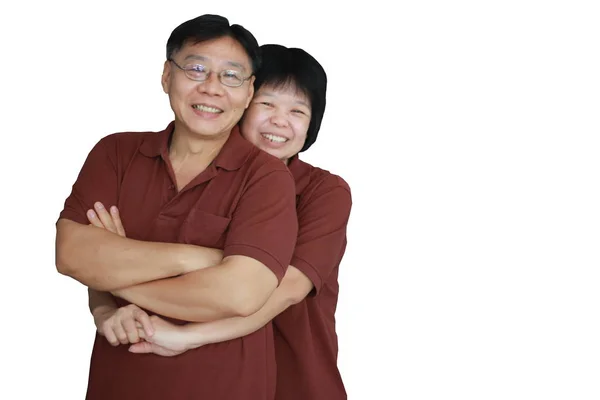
x: 258, y: 254
x: 73, y: 216
x: 310, y: 272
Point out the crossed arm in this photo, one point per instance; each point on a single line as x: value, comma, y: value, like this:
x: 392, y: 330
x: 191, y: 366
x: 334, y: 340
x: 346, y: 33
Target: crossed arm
x: 104, y: 261
x: 167, y: 339
x: 214, y: 289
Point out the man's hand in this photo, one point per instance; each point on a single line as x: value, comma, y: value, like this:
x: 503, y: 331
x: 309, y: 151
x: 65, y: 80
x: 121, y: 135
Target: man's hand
x: 101, y: 218
x: 121, y: 325
x: 168, y: 339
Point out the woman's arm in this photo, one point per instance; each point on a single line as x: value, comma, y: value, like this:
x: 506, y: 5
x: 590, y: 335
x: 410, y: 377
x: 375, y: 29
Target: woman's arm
x: 169, y: 339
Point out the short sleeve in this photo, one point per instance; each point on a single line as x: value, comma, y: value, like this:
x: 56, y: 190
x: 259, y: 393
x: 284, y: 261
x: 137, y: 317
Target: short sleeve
x: 97, y: 181
x: 264, y: 225
x: 322, y: 232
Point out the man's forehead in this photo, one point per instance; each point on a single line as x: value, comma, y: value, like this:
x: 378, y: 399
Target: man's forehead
x: 224, y: 50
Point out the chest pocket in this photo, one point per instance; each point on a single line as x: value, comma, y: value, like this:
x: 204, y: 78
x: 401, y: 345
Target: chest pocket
x: 203, y: 229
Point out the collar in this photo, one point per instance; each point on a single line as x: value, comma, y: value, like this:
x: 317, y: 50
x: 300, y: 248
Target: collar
x: 157, y: 143
x: 232, y: 155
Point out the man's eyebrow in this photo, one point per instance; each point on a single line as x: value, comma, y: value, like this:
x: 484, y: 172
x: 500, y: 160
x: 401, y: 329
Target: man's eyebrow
x: 196, y: 57
x: 236, y: 65
x: 202, y: 58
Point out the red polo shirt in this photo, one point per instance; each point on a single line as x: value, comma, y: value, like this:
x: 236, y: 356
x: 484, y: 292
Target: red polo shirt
x: 242, y: 203
x: 305, y: 340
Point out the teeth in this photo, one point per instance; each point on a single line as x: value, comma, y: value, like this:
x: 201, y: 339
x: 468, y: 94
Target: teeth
x: 274, y: 138
x: 200, y: 107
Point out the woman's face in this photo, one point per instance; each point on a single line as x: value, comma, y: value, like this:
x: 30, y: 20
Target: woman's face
x: 277, y: 120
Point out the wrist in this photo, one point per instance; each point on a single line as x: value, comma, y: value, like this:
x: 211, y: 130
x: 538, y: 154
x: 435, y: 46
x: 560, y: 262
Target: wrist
x: 100, y: 313
x: 193, y: 336
x: 103, y: 309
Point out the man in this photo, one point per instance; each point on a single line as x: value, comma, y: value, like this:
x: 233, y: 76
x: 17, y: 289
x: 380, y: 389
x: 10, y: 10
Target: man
x: 197, y: 183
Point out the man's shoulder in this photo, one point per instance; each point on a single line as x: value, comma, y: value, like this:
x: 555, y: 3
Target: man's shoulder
x: 127, y: 137
x: 128, y: 143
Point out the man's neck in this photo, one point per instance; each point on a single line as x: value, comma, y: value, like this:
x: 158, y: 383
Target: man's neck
x: 187, y: 146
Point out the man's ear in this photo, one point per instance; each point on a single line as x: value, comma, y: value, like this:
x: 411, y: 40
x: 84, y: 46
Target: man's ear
x: 166, y: 76
x: 250, y: 91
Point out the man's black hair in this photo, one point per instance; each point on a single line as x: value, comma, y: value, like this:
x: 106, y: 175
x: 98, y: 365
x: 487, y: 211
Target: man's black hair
x: 207, y: 27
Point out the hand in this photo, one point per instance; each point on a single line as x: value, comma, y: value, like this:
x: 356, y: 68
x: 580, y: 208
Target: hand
x: 168, y: 339
x: 100, y: 218
x: 120, y: 325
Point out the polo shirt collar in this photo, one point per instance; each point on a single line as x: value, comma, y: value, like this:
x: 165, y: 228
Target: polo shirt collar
x: 301, y: 173
x: 232, y: 156
x: 235, y: 151
x: 158, y: 143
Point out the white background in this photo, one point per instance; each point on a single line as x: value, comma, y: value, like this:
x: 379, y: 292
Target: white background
x: 468, y: 131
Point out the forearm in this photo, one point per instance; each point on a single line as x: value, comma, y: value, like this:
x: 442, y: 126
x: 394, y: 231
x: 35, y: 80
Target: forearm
x: 104, y: 261
x: 182, y: 297
x: 213, y: 293
x: 293, y: 288
x: 200, y: 334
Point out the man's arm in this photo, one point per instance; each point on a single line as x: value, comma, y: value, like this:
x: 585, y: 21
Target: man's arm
x: 238, y: 286
x: 294, y: 287
x: 104, y: 261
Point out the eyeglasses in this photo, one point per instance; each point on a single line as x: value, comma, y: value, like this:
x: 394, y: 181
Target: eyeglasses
x: 200, y: 73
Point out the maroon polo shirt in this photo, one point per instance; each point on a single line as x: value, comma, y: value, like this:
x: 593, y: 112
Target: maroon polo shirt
x: 243, y: 203
x: 305, y: 339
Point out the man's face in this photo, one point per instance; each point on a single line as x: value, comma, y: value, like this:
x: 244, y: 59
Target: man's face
x: 208, y: 109
x: 277, y: 121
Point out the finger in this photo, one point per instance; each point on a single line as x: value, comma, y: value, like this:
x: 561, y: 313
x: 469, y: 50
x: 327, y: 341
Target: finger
x: 114, y: 212
x: 143, y: 318
x: 105, y: 217
x: 93, y: 218
x: 120, y: 333
x: 142, y: 333
x: 141, y: 347
x: 131, y: 330
x: 111, y: 337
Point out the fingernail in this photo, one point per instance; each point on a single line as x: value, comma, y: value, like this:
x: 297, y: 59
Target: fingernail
x: 99, y: 205
x: 113, y: 209
x: 91, y: 213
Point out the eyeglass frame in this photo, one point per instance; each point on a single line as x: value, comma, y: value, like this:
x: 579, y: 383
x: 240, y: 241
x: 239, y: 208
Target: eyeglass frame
x: 208, y: 71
